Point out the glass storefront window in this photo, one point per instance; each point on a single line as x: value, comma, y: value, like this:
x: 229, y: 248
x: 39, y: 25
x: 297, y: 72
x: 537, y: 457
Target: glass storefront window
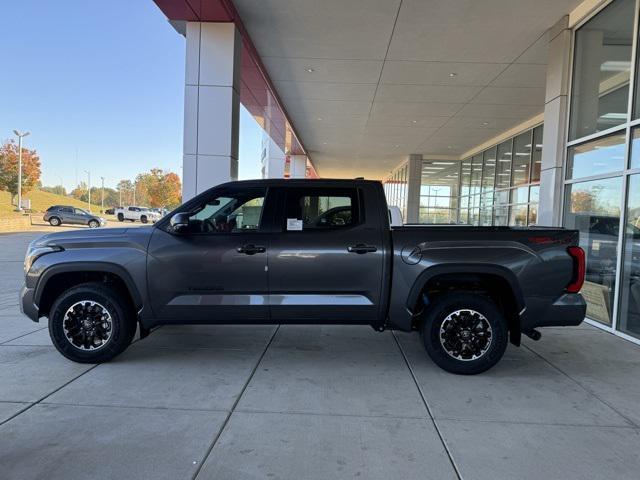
x: 601, y: 70
x: 476, y: 174
x: 489, y: 172
x: 630, y: 293
x: 533, y: 214
x: 521, y: 159
x: 599, y: 156
x: 518, y: 216
x: 465, y: 179
x: 593, y: 208
x: 503, y: 166
x: 635, y: 148
x: 536, y: 153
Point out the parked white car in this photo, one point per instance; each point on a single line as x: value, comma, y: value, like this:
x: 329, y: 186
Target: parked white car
x: 140, y: 214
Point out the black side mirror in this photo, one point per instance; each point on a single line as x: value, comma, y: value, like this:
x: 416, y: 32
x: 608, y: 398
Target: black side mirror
x: 180, y: 222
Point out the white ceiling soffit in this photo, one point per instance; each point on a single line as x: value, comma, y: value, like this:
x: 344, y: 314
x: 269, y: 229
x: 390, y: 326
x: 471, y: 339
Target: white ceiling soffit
x: 368, y: 82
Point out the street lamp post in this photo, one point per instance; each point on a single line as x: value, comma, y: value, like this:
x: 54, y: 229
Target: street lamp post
x: 89, y: 186
x: 102, y: 195
x: 20, y: 137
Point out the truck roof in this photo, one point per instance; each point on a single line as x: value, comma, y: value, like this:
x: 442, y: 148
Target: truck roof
x: 320, y: 182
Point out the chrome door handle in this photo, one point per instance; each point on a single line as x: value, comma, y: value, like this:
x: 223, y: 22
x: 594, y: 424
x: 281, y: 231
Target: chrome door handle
x: 361, y: 248
x: 251, y: 249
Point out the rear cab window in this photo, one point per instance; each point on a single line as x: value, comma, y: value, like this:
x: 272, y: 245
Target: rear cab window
x: 317, y: 209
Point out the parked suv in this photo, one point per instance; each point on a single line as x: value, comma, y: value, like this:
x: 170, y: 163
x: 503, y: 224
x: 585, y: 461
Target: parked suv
x: 59, y: 214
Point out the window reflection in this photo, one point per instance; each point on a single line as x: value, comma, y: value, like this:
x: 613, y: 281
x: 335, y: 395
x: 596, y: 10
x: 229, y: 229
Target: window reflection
x: 602, y: 64
x: 630, y: 294
x: 593, y: 208
x: 599, y: 156
x: 521, y: 158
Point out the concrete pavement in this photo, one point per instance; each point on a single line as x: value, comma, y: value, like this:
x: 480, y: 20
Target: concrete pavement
x: 310, y: 402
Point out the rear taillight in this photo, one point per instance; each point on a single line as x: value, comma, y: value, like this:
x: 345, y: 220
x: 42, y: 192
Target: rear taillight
x: 577, y: 280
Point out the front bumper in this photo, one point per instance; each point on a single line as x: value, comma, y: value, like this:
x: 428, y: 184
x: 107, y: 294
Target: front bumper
x: 567, y: 310
x: 27, y: 306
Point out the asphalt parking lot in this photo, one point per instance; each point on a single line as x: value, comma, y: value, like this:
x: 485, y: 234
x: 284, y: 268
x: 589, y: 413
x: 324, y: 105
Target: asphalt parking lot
x: 310, y: 402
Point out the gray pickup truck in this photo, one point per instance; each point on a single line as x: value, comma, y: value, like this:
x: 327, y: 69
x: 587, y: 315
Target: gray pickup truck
x: 305, y: 252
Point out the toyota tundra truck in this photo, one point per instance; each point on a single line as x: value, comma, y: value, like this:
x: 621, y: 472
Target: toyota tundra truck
x: 305, y: 252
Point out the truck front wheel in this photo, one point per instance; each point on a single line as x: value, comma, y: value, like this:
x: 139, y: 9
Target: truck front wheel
x: 464, y: 333
x: 90, y: 323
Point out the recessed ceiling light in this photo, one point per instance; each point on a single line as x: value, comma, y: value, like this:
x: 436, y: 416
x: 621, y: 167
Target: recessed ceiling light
x: 396, y: 145
x: 453, y: 74
x: 324, y: 143
x: 310, y: 70
x: 449, y: 147
x: 484, y: 124
x: 414, y: 121
x: 319, y: 119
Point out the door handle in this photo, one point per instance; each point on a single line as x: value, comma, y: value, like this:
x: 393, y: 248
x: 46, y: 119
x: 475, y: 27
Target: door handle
x: 361, y: 248
x: 251, y: 249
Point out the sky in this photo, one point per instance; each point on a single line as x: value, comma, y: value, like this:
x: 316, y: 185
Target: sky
x: 100, y: 86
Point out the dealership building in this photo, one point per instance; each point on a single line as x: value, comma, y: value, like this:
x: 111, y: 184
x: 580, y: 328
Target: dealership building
x: 490, y: 113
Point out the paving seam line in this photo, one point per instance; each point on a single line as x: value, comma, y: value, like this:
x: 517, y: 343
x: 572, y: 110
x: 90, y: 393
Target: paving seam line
x: 426, y: 404
x: 233, y: 407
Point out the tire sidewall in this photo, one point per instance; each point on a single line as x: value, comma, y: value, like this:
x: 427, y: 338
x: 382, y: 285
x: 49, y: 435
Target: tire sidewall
x: 440, y: 309
x: 55, y: 221
x: 120, y: 217
x: 94, y: 224
x: 119, y: 331
x: 144, y: 219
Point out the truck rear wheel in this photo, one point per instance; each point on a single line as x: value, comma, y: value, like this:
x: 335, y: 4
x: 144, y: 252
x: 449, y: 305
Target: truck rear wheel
x: 464, y: 333
x: 121, y: 217
x: 91, y: 324
x: 144, y: 219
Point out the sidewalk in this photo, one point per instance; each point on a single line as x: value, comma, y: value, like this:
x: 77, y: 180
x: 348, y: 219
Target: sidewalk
x: 311, y: 402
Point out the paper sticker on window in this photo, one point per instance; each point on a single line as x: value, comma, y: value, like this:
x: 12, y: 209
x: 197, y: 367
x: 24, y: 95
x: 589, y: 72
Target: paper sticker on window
x: 294, y: 224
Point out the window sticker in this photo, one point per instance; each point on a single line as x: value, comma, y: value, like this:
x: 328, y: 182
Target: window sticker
x: 293, y: 224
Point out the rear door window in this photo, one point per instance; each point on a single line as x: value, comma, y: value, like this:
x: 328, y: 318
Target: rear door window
x: 321, y: 209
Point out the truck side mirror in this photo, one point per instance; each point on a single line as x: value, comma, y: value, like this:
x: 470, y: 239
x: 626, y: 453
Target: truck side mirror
x: 180, y: 222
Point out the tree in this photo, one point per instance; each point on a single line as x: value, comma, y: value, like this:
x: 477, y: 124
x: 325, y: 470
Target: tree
x: 80, y: 192
x: 9, y: 168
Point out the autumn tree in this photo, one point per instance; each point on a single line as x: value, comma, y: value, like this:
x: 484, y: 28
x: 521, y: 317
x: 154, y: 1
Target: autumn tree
x: 159, y: 188
x: 9, y: 168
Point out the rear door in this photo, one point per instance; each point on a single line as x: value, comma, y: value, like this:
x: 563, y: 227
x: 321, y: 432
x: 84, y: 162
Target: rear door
x: 326, y: 262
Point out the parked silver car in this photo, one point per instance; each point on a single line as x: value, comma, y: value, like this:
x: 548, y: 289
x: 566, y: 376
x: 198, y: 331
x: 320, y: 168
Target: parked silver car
x: 59, y: 214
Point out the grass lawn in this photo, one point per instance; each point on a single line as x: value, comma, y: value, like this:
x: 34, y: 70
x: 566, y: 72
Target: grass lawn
x: 40, y: 201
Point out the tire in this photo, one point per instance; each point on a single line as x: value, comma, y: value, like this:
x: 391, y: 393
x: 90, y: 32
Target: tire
x: 461, y: 316
x: 94, y: 224
x: 113, y: 341
x: 144, y: 219
x: 54, y: 221
x: 121, y: 217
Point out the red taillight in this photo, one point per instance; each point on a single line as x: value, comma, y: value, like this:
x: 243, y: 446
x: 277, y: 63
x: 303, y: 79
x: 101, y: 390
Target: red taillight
x: 577, y: 280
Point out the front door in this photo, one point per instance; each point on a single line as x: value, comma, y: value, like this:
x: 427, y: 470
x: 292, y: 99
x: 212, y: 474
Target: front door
x: 215, y: 272
x: 326, y: 264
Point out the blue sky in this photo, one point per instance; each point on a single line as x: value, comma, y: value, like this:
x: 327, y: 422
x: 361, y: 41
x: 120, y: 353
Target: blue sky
x: 104, y: 79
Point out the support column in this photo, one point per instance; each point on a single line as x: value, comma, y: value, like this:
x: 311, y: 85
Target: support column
x: 211, y: 106
x: 298, y: 166
x: 273, y: 159
x: 414, y: 178
x: 555, y: 125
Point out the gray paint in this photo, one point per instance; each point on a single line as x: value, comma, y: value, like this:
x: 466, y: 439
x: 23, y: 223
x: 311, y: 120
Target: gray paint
x: 312, y: 277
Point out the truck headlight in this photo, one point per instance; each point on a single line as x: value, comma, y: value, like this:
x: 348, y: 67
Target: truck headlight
x: 36, y: 251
